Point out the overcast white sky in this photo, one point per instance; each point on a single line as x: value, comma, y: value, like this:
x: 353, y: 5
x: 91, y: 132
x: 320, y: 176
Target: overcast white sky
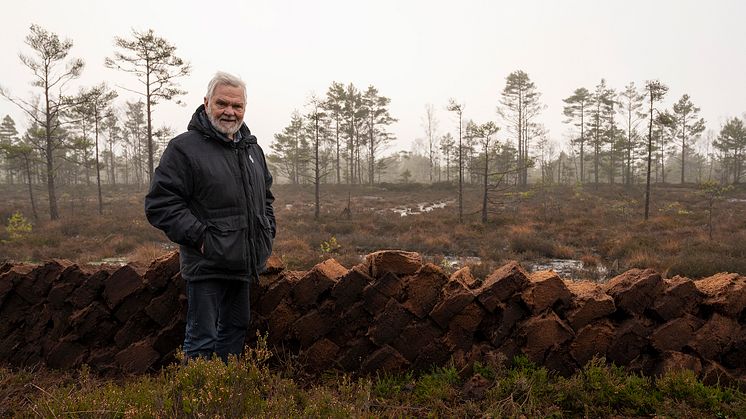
x: 414, y: 52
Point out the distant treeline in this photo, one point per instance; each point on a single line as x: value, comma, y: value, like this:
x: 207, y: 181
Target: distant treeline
x: 620, y: 136
x: 612, y: 134
x: 81, y: 137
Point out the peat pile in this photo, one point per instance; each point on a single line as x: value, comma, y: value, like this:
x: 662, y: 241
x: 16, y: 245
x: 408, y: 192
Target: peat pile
x: 391, y: 312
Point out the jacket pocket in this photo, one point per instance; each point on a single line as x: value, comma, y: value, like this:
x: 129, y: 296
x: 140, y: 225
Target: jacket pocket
x: 226, y: 246
x: 263, y: 243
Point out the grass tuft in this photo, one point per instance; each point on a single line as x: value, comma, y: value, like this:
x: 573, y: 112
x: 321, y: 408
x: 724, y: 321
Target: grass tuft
x: 250, y: 387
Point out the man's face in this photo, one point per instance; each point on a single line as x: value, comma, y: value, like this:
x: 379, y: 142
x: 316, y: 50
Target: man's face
x: 225, y: 109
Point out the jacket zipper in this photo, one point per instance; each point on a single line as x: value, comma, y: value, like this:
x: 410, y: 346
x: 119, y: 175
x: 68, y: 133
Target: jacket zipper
x: 242, y: 167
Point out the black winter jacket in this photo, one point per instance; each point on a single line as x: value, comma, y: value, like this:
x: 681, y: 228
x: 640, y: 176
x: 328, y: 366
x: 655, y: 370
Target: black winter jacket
x: 208, y: 190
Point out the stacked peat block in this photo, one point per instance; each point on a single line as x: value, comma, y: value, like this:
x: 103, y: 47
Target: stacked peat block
x: 115, y: 319
x: 393, y: 312
x: 390, y: 313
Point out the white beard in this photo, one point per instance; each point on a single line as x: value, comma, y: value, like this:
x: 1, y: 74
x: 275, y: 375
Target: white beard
x: 225, y: 127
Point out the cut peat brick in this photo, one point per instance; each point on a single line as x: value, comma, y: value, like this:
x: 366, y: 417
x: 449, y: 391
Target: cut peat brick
x: 389, y: 324
x: 454, y: 298
x: 321, y: 355
x: 588, y: 303
x: 414, y: 338
x: 277, y: 291
x: 349, y: 288
x: 124, y: 282
x: 67, y: 355
x: 161, y: 270
x: 385, y: 359
x: 423, y: 289
x: 316, y: 281
x: 312, y: 326
x: 724, y: 293
x: 138, y: 358
x: 501, y: 285
x: 378, y: 293
x: 397, y: 262
x: 545, y: 290
x: 592, y: 340
x: 635, y: 290
x: 540, y: 334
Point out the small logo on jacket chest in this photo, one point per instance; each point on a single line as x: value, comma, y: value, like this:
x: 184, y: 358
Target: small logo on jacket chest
x: 251, y: 158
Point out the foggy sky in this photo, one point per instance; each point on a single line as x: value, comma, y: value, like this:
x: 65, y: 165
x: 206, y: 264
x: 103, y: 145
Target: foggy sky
x: 414, y: 52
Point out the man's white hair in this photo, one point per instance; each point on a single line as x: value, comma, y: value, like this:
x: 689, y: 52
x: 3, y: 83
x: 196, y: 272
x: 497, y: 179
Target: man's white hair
x: 223, y: 78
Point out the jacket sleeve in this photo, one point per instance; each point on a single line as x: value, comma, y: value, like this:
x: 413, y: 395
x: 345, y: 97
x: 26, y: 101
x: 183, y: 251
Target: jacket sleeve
x: 269, y: 198
x: 166, y: 204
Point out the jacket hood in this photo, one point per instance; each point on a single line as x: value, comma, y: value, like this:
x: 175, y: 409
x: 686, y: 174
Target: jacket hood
x: 201, y: 123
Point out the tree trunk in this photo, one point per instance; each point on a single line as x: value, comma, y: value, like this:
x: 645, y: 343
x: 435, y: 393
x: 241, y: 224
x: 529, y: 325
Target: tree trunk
x: 628, y: 170
x: 650, y: 159
x: 582, y: 143
x: 339, y: 175
x: 53, y: 211
x: 150, y: 123
x: 486, y: 175
x: 113, y: 179
x: 317, y: 175
x: 30, y: 188
x: 98, y: 168
x: 460, y: 174
x: 683, y: 147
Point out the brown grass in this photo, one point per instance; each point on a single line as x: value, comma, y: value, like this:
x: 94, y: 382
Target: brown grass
x: 604, y: 224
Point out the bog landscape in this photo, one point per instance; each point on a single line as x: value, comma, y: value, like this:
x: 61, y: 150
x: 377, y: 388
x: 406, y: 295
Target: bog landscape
x: 562, y: 281
x: 487, y: 263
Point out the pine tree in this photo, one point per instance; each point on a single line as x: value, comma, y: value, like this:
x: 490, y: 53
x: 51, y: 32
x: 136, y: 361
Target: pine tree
x: 50, y: 54
x: 316, y: 125
x: 135, y: 135
x: 153, y: 61
x: 98, y: 100
x: 655, y: 92
x: 377, y: 117
x: 430, y: 124
x: 731, y: 142
x: 111, y: 124
x: 575, y: 110
x: 689, y: 126
x: 458, y: 108
x: 520, y: 100
x: 291, y: 150
x: 8, y: 137
x: 446, y: 147
x: 601, y: 101
x: 631, y: 103
x: 485, y: 133
x: 333, y: 105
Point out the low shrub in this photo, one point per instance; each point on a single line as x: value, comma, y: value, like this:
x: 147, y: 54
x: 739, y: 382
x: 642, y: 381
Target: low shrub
x: 250, y: 387
x: 537, y: 244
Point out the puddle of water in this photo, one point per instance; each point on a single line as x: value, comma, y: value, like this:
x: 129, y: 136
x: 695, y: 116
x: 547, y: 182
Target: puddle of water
x: 736, y: 200
x: 118, y: 261
x: 403, y: 212
x: 453, y: 262
x: 421, y: 208
x: 565, y: 268
x: 457, y: 262
x: 569, y: 268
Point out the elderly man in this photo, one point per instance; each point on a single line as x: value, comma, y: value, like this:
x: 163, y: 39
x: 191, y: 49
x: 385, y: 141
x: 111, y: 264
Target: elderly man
x: 211, y: 195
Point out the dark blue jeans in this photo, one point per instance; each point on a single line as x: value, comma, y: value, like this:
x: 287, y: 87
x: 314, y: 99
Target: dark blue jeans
x: 218, y: 316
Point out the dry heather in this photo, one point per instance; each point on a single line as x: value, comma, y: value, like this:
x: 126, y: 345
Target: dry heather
x: 601, y: 226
